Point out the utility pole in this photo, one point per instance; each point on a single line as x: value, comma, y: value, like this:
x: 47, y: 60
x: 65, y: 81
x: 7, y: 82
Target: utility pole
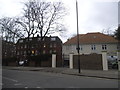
x: 78, y: 47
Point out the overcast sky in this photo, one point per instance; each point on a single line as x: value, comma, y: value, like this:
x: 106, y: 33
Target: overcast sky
x: 94, y: 15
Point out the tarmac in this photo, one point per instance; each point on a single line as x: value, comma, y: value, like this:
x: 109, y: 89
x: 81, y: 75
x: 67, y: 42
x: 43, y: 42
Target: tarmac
x: 110, y: 74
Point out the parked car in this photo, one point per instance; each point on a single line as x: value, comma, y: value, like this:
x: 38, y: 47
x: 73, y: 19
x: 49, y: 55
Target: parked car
x: 115, y: 65
x: 112, y: 62
x: 21, y: 63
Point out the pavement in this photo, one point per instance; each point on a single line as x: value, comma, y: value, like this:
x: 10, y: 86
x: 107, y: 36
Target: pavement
x: 110, y: 74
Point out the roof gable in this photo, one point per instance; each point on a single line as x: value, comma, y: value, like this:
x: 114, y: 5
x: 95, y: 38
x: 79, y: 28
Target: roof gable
x: 90, y: 38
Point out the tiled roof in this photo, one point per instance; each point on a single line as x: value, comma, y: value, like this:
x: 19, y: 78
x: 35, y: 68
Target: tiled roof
x: 91, y: 38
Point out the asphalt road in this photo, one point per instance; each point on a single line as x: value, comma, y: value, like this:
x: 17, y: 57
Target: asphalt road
x: 37, y: 79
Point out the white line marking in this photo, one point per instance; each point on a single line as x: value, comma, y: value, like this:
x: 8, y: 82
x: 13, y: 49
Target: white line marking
x: 26, y: 87
x: 10, y: 79
x: 38, y: 87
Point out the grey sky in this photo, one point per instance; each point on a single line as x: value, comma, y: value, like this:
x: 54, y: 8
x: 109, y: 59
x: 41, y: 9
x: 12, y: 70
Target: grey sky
x: 94, y: 15
x: 102, y: 16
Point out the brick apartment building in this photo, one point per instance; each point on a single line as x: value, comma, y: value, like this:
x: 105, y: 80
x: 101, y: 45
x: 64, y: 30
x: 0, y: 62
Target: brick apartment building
x: 42, y: 50
x: 8, y: 52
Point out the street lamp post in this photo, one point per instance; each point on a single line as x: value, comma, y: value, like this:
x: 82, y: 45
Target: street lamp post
x: 78, y: 48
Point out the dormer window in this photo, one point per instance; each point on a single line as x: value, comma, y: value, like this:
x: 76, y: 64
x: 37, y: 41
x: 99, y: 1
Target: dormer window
x: 53, y: 38
x: 30, y: 39
x: 21, y: 41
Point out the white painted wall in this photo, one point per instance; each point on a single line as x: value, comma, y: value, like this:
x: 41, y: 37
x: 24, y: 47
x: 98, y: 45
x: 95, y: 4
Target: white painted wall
x: 86, y: 49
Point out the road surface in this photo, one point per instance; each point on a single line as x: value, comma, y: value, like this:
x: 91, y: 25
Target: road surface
x: 37, y: 79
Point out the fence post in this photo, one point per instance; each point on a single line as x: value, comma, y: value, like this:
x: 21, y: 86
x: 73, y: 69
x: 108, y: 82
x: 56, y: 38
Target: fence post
x: 53, y: 60
x: 71, y: 61
x: 104, y: 61
x: 118, y: 58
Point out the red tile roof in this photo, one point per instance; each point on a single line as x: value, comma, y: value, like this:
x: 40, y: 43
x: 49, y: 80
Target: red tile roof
x: 91, y: 38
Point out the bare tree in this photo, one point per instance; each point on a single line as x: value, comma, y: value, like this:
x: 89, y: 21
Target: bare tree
x: 42, y: 18
x: 108, y: 31
x: 48, y: 17
x: 117, y: 33
x: 27, y: 21
x: 9, y: 29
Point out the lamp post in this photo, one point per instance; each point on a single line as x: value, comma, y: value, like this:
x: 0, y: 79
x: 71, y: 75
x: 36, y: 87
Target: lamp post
x: 78, y: 48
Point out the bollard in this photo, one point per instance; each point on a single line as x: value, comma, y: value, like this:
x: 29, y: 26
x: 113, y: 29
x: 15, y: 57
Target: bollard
x: 104, y: 61
x: 53, y: 60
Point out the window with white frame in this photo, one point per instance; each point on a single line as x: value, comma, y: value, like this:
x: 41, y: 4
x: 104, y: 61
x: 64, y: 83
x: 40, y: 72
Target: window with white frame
x: 93, y: 47
x: 104, y: 47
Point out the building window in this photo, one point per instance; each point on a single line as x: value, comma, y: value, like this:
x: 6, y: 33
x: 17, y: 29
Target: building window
x: 50, y: 45
x: 32, y: 46
x: 27, y: 40
x: 93, y: 47
x: 39, y: 39
x: 43, y: 39
x: 68, y: 47
x: 24, y: 52
x: 18, y: 47
x: 25, y: 46
x: 104, y: 47
x: 18, y: 53
x: 118, y: 47
x: 50, y: 51
x: 54, y: 51
x: 33, y: 52
x: 30, y: 39
x: 54, y: 45
x: 21, y: 41
x: 53, y: 38
x: 44, y: 46
x: 21, y: 47
x: 36, y: 52
x: 44, y: 51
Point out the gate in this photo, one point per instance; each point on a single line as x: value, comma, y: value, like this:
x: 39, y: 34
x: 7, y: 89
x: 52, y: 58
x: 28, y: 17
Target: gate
x: 65, y: 60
